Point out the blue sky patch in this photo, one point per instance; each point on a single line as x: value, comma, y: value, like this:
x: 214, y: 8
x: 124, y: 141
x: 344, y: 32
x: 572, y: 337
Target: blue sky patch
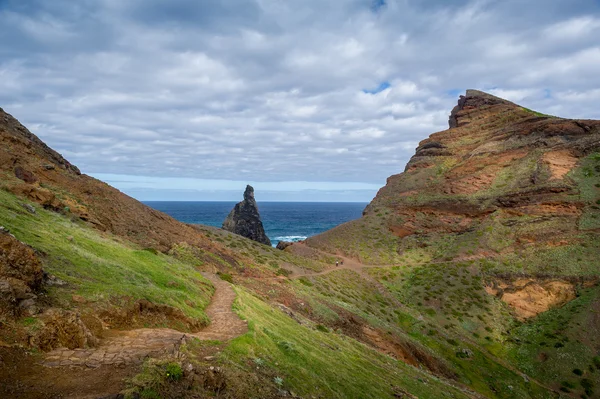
x: 382, y: 86
x: 377, y: 5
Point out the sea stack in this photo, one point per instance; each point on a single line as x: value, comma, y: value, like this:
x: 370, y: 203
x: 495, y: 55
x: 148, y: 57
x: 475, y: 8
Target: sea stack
x: 244, y: 219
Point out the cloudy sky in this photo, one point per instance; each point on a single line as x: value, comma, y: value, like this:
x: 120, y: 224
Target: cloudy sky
x: 304, y: 99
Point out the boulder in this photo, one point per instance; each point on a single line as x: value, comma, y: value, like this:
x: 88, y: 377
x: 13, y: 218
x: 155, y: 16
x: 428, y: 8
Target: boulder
x: 25, y: 175
x: 19, y: 262
x: 244, y: 219
x: 63, y: 328
x: 21, y: 275
x: 283, y: 245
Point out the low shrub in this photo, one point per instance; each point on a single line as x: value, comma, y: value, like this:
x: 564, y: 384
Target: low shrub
x: 225, y: 277
x: 173, y: 371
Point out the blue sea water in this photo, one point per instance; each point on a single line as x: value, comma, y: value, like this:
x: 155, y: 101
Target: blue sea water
x: 283, y: 221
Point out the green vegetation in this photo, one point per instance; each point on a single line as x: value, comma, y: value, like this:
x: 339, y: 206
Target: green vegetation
x: 263, y: 257
x: 367, y: 239
x: 588, y: 178
x: 401, y: 311
x: 335, y: 365
x: 155, y: 380
x: 560, y: 342
x: 225, y: 277
x: 173, y: 371
x: 536, y: 113
x: 104, y: 268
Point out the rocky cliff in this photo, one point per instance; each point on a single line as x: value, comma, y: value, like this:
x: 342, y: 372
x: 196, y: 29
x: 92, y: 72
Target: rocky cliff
x: 502, y: 183
x: 244, y: 219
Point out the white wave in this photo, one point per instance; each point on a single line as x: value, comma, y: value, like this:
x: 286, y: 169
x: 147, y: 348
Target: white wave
x: 291, y: 238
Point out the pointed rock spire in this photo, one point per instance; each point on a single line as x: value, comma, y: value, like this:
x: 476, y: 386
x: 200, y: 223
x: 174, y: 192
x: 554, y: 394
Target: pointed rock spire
x: 244, y: 219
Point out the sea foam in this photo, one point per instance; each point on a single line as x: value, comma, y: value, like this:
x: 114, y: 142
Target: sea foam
x: 291, y: 238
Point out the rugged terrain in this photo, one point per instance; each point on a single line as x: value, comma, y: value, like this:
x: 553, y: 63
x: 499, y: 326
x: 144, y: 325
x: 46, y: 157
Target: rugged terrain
x: 472, y: 274
x: 244, y: 219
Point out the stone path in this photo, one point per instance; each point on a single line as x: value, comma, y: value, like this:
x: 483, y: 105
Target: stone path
x: 126, y: 347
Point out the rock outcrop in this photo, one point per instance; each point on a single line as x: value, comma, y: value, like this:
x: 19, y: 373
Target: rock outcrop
x: 524, y: 180
x: 21, y: 275
x: 283, y: 245
x: 244, y: 219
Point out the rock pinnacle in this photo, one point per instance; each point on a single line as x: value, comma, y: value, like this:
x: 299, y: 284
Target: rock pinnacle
x: 244, y: 219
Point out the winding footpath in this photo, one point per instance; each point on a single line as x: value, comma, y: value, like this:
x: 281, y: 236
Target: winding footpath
x: 127, y: 347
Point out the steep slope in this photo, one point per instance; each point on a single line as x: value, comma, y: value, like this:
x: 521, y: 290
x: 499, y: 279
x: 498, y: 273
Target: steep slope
x: 502, y: 179
x: 29, y: 168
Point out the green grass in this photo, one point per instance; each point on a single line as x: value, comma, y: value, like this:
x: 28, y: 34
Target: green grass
x: 588, y: 178
x: 263, y: 257
x: 411, y: 319
x: 312, y: 362
x: 367, y: 239
x: 536, y: 113
x: 553, y: 345
x: 101, y: 267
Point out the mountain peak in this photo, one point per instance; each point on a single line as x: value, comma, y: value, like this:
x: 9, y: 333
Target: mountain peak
x: 473, y: 100
x: 483, y: 94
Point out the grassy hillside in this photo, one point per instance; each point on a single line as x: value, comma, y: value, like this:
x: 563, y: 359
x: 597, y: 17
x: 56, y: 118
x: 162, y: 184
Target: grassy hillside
x: 103, y: 269
x: 110, y: 273
x: 472, y: 274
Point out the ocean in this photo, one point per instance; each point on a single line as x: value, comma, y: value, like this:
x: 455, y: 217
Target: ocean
x: 283, y: 221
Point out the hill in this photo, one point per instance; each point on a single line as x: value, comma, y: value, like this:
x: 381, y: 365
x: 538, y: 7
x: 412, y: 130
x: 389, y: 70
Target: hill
x: 524, y: 180
x: 503, y: 204
x: 472, y: 274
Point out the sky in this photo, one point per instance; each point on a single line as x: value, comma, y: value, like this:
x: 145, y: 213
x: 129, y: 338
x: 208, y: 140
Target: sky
x: 307, y: 100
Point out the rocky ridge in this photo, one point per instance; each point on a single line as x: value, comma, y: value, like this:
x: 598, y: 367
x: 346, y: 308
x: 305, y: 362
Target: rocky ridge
x: 499, y: 168
x: 244, y: 219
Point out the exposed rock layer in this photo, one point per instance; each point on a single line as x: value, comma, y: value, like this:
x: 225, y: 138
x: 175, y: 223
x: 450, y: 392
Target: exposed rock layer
x: 21, y: 275
x: 499, y: 167
x: 529, y: 297
x: 244, y: 219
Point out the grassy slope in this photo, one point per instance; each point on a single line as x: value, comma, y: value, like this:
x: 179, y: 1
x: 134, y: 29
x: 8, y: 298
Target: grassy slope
x: 101, y: 267
x: 444, y: 308
x: 264, y: 257
x: 323, y: 364
x: 562, y: 346
x: 425, y: 327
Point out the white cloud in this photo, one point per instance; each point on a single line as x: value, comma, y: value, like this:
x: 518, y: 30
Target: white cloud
x: 272, y: 91
x: 574, y: 28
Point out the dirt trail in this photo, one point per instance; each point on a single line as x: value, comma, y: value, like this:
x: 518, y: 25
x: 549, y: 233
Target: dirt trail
x: 352, y: 264
x: 126, y: 347
x: 348, y: 264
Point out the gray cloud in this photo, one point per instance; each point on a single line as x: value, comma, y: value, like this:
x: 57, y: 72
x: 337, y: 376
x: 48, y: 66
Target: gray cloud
x: 267, y: 90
